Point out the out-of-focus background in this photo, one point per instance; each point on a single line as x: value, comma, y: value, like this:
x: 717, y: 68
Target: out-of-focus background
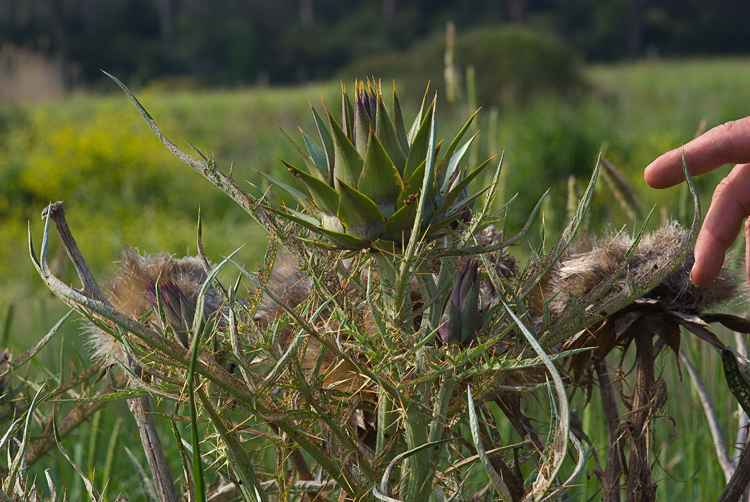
x: 255, y: 42
x: 558, y: 83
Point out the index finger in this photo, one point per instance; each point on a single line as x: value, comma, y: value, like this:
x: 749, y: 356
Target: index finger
x: 730, y: 205
x: 728, y: 143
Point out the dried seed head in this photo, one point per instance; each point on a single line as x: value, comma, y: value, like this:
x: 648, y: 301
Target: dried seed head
x: 589, y: 262
x: 128, y: 291
x: 287, y: 282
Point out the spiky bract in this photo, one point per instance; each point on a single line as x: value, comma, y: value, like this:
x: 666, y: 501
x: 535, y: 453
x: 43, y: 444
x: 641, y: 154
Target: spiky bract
x: 366, y: 177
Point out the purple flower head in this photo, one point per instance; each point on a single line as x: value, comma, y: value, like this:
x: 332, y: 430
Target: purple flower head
x: 167, y: 297
x: 460, y: 319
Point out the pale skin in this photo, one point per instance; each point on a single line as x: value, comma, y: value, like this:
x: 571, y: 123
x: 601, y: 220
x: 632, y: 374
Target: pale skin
x: 725, y: 144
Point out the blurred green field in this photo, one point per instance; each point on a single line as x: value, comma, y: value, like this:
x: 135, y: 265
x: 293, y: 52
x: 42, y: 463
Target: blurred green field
x: 121, y: 186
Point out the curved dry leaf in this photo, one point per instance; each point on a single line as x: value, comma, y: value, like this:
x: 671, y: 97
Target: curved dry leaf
x: 702, y: 333
x: 733, y: 322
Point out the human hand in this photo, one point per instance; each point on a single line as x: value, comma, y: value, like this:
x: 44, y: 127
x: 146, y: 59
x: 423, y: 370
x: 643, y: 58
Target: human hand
x: 725, y: 144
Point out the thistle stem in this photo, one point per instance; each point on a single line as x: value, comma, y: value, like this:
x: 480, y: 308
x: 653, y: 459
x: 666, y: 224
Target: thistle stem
x: 444, y: 394
x: 610, y: 479
x: 387, y: 426
x: 139, y: 406
x: 384, y: 265
x: 740, y: 480
x: 141, y: 410
x: 56, y: 213
x: 641, y: 487
x: 418, y: 471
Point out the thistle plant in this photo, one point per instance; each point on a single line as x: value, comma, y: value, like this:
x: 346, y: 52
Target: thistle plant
x: 365, y: 177
x: 651, y: 323
x: 386, y: 325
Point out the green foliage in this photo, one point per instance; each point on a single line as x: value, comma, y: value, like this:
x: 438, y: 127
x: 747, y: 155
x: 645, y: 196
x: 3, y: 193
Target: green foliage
x: 512, y: 65
x: 94, y: 145
x: 119, y: 179
x: 596, y: 29
x: 515, y: 64
x: 553, y: 141
x: 100, y: 163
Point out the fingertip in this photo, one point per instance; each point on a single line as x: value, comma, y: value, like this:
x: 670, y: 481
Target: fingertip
x: 665, y: 171
x: 708, y: 262
x: 702, y: 277
x: 649, y: 176
x: 696, y: 278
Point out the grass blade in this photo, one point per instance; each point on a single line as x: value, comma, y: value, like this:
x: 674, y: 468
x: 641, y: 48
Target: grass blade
x: 93, y: 494
x: 145, y: 481
x: 237, y: 456
x: 26, y: 356
x: 561, y: 436
x: 15, y: 466
x: 495, y: 478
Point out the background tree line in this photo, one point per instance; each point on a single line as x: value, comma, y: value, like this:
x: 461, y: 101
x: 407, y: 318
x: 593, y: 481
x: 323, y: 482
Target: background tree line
x: 232, y: 42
